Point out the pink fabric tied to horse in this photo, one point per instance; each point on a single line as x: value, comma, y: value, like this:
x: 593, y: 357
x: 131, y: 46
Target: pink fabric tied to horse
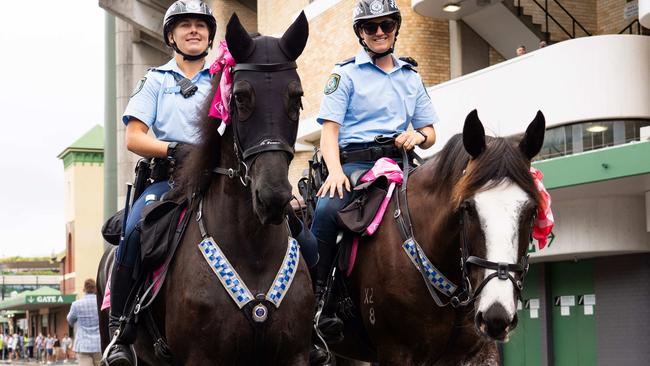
x: 220, y: 106
x: 544, y: 221
x: 388, y: 168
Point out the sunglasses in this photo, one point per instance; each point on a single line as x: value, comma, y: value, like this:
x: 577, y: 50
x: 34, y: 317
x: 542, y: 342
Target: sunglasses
x: 370, y: 28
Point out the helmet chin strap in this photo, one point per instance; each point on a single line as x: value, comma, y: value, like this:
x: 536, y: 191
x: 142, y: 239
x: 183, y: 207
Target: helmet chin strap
x: 187, y: 57
x: 374, y: 55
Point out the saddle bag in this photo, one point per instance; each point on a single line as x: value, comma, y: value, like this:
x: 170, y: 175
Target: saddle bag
x: 357, y: 215
x: 157, y: 228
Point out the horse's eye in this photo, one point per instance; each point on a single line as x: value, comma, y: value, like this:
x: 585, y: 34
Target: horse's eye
x: 244, y: 96
x: 293, y: 100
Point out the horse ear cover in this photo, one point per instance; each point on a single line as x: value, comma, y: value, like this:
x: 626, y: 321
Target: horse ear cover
x: 240, y: 44
x: 532, y: 141
x: 294, y: 39
x: 473, y: 135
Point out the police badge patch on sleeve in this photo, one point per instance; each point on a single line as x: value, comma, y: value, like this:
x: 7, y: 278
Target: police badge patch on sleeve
x: 138, y: 86
x: 332, y: 84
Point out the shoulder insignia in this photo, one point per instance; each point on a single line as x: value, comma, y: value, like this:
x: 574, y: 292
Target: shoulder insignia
x: 409, y: 60
x: 346, y: 61
x: 138, y: 86
x: 332, y: 84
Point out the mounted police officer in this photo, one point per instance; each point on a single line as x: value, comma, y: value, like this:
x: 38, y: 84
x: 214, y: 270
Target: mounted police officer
x: 372, y: 94
x: 166, y: 100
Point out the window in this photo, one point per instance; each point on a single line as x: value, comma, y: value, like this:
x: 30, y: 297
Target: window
x: 586, y: 136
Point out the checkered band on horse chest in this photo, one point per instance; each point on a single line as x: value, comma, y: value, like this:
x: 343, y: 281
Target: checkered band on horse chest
x: 235, y: 286
x: 440, y: 282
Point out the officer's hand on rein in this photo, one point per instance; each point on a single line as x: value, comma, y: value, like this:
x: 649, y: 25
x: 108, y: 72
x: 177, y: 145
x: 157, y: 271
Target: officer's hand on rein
x: 334, y: 183
x: 409, y: 139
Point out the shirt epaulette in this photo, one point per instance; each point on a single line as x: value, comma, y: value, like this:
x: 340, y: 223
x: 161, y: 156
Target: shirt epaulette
x: 411, y: 64
x: 346, y: 61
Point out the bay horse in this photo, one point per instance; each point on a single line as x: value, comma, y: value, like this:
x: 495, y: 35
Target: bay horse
x: 472, y: 204
x: 241, y: 188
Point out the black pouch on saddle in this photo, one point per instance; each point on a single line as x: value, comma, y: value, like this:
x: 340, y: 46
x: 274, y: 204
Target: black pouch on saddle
x: 112, y: 228
x: 157, y: 228
x: 366, y: 199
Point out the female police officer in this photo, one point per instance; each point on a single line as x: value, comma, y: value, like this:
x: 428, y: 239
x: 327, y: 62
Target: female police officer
x: 372, y: 94
x: 166, y: 100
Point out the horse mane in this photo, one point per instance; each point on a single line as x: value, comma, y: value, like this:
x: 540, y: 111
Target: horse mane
x: 205, y: 155
x: 463, y: 176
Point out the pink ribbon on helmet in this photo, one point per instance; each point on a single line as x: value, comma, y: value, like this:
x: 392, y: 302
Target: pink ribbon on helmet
x: 220, y: 106
x: 544, y: 221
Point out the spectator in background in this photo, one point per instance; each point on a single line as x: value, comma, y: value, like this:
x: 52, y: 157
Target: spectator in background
x: 30, y: 347
x: 542, y: 44
x: 66, y: 346
x: 83, y: 314
x: 2, y: 347
x: 49, y: 348
x: 40, y: 346
x: 521, y: 50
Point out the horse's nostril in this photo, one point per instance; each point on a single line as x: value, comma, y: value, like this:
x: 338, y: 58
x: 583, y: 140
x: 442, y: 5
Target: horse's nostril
x: 478, y: 319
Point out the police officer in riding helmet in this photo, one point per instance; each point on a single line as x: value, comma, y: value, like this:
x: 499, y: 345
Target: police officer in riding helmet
x: 166, y: 100
x: 371, y: 94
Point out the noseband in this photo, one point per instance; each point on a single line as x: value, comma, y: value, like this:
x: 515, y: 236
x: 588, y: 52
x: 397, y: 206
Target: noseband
x: 244, y: 153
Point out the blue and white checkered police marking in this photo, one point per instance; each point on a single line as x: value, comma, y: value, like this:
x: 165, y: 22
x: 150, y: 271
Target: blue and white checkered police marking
x: 235, y: 286
x: 285, y: 275
x: 229, y: 278
x: 434, y: 276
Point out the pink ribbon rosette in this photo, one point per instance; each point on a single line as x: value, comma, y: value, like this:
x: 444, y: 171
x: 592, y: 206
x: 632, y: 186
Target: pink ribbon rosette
x: 220, y: 106
x: 544, y: 221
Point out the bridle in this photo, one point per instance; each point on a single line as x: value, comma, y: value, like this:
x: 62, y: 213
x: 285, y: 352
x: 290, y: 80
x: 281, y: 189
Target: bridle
x: 248, y: 154
x: 502, y: 269
x: 465, y: 294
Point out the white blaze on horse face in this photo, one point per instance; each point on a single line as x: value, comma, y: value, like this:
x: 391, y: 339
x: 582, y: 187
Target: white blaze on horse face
x: 499, y: 210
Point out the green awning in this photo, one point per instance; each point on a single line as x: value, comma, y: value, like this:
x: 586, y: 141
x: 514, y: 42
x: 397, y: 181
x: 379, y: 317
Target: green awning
x: 43, y: 297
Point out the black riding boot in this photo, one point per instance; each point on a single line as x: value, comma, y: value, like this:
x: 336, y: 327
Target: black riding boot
x: 122, y: 330
x: 329, y: 325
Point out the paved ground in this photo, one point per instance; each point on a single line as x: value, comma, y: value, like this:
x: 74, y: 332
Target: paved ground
x: 34, y: 362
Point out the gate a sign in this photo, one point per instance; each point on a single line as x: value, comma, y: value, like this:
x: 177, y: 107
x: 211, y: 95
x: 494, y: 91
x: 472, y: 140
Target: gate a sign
x: 49, y: 299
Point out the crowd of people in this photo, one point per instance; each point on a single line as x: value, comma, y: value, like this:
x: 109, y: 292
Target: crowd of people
x: 42, y: 348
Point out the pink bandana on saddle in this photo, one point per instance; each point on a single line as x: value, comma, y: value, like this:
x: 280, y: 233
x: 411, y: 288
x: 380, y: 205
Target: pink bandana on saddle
x: 220, y: 106
x: 383, y: 167
x: 543, y: 224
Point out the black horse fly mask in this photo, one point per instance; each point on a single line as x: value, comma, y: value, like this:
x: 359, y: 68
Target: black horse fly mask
x: 266, y: 96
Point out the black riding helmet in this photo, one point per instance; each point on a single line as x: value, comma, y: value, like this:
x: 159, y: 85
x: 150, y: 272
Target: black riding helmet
x: 185, y: 9
x: 371, y: 9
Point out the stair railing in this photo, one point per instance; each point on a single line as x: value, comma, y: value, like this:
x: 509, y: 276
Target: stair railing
x: 547, y: 16
x: 630, y: 28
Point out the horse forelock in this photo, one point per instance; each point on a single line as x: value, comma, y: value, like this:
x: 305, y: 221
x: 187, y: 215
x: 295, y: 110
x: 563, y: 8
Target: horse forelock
x: 501, y: 160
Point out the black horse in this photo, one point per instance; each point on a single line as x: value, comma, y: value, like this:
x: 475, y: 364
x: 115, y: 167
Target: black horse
x: 241, y: 187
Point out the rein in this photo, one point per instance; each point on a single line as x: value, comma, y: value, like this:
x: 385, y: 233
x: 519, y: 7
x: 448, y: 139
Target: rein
x: 433, y: 278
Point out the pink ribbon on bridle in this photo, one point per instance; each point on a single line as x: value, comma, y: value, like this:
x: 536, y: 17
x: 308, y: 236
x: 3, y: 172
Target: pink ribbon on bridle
x: 544, y: 221
x: 220, y: 106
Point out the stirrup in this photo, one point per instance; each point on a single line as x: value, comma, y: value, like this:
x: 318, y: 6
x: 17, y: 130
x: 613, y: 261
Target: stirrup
x: 116, y: 335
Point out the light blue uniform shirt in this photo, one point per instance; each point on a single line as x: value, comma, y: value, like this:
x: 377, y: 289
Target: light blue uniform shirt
x: 367, y: 101
x: 157, y: 101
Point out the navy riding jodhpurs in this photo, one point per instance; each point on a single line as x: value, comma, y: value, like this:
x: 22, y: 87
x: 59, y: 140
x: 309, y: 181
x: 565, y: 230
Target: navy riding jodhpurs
x: 129, y: 250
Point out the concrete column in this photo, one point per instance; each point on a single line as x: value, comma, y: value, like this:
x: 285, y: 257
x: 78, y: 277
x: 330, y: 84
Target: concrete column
x: 455, y: 49
x: 644, y: 13
x: 647, y: 211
